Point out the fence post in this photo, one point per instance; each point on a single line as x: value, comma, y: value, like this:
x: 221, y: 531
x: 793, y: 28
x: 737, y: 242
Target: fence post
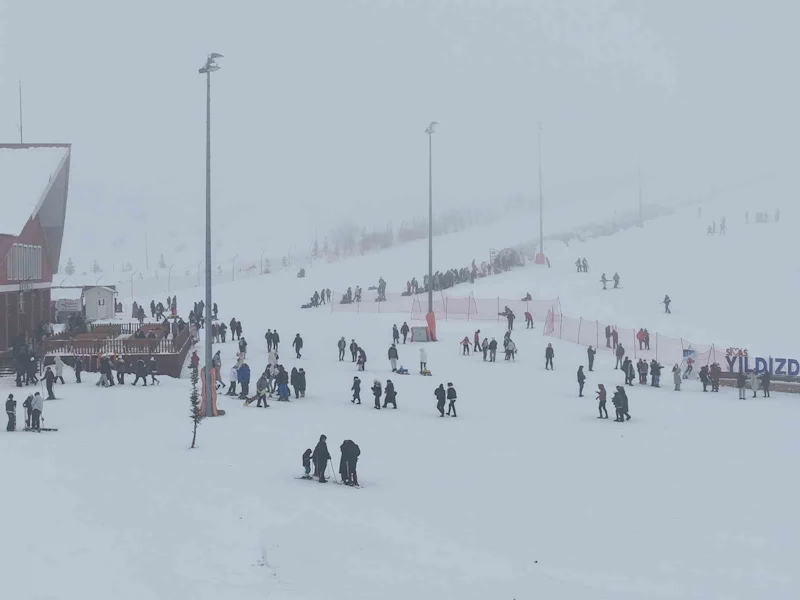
x: 656, y: 346
x: 498, y: 309
x: 597, y: 334
x: 560, y: 327
x: 580, y: 324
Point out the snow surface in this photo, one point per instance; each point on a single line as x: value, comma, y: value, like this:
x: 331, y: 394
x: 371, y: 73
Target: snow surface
x: 24, y: 175
x: 524, y: 495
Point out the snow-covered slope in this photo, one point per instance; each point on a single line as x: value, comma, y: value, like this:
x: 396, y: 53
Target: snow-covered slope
x: 524, y: 495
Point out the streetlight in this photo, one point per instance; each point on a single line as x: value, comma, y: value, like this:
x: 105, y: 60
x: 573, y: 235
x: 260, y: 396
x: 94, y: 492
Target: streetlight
x: 233, y: 268
x: 96, y: 283
x: 169, y: 278
x: 430, y: 131
x: 208, y: 68
x: 541, y: 197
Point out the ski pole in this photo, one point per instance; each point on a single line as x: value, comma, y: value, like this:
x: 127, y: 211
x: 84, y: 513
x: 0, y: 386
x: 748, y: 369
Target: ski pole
x: 333, y: 471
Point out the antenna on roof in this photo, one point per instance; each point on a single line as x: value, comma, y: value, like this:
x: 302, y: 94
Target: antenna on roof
x: 20, y: 113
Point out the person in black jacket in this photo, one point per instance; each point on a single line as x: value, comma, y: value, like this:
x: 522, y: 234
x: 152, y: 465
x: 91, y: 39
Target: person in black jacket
x: 11, y: 412
x: 342, y: 345
x: 626, y: 371
x: 321, y: 456
x: 620, y: 354
x: 741, y: 383
x: 356, y: 389
x: 492, y: 350
x: 141, y: 372
x: 353, y: 350
x: 393, y: 356
x: 404, y: 330
x: 452, y: 397
x: 307, y: 463
x: 298, y: 344
x: 377, y: 391
x: 28, y: 406
x: 301, y: 382
x: 581, y: 381
x: 49, y: 380
x: 621, y: 403
x: 348, y: 462
x: 549, y: 353
x: 705, y: 379
x: 293, y: 383
x: 390, y: 396
x: 395, y: 334
x: 276, y: 339
x: 78, y: 369
x: 153, y: 368
x: 590, y: 353
x: 440, y: 398
x: 766, y: 379
x: 268, y: 337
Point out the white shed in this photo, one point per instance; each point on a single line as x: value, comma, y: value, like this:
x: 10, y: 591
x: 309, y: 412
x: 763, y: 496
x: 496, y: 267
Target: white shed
x: 99, y: 302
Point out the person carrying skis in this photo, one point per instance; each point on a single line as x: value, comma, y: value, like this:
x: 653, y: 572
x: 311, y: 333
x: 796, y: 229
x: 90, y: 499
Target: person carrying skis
x: 389, y: 394
x: 377, y: 391
x: 590, y: 354
x: 666, y: 302
x: 549, y: 354
x: 440, y: 398
x: 452, y: 396
x: 581, y: 381
x: 676, y: 377
x: 465, y: 346
x: 356, y: 389
x: 404, y: 330
x: 342, y: 345
x: 11, y: 412
x: 298, y: 345
x: 616, y: 280
x: 347, y: 464
x: 321, y: 456
x: 601, y: 398
x: 604, y: 281
x: 395, y: 334
x: 393, y: 356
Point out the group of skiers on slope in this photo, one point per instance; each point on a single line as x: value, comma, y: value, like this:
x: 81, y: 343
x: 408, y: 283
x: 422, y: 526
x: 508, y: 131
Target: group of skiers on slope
x: 34, y: 405
x: 320, y: 456
x: 604, y: 281
x: 489, y: 348
x: 510, y: 316
x: 582, y: 265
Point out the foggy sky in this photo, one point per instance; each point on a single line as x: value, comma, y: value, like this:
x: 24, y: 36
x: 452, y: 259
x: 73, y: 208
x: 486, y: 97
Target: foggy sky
x: 320, y: 107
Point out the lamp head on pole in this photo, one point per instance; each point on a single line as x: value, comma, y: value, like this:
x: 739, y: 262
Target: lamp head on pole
x: 211, y: 64
x: 430, y: 129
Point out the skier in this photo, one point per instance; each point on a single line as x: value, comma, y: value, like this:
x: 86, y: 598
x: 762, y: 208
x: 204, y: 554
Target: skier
x: 601, y: 398
x: 393, y: 357
x: 465, y: 346
x: 37, y: 405
x: 741, y: 382
x: 590, y: 353
x: 395, y: 334
x: 676, y: 377
x: 549, y: 354
x: 666, y: 302
x: 581, y: 381
x: 620, y: 354
x: 342, y: 345
x: 11, y: 412
x: 348, y: 462
x: 616, y: 280
x: 423, y: 361
x: 440, y: 398
x: 307, y: 463
x: 59, y: 369
x: 404, y: 330
x: 49, y: 378
x: 321, y: 456
x: 604, y: 281
x: 452, y: 397
x: 298, y: 345
x: 353, y: 350
x: 389, y: 395
x: 377, y: 391
x: 356, y: 389
x: 766, y: 378
x: 154, y: 371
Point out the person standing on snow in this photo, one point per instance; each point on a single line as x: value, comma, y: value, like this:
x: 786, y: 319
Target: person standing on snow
x: 298, y: 344
x: 626, y: 370
x: 676, y: 377
x: 321, y: 456
x: 476, y: 341
x: 601, y: 398
x: 389, y: 395
x: 493, y: 350
x: 268, y: 337
x: 549, y: 354
x: 49, y: 378
x: 232, y: 378
x: 766, y: 378
x: 393, y: 356
x: 581, y: 381
x: 362, y: 359
x: 704, y: 377
x: 590, y: 353
x: 423, y: 360
x: 655, y: 373
x: 510, y: 316
x: 293, y: 382
x: 154, y: 371
x: 356, y: 389
x: 465, y: 346
x: 440, y: 398
x: 244, y: 381
x: 616, y: 280
x: 59, y: 369
x: 608, y: 336
x: 620, y: 354
x: 754, y: 382
x: 741, y: 382
x: 404, y: 330
x: 452, y: 397
x: 354, y: 350
x: 11, y: 412
x: 395, y: 334
x: 666, y: 302
x: 276, y: 339
x: 243, y: 348
x: 377, y: 391
x: 342, y: 345
x: 485, y: 348
x: 604, y: 281
x: 347, y: 464
x: 37, y: 406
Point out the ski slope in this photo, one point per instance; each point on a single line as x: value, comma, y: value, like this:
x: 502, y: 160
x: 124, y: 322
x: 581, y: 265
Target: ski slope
x: 524, y: 495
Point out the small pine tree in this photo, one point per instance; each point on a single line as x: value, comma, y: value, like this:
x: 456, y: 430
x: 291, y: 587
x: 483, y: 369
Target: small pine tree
x: 194, y: 399
x: 285, y: 262
x: 315, y: 250
x: 162, y: 264
x: 267, y: 267
x: 70, y: 268
x: 96, y: 268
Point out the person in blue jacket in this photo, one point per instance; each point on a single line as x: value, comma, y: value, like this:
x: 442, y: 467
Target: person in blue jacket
x: 244, y: 380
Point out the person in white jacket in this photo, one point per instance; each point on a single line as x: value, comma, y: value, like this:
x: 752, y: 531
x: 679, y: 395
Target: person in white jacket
x: 272, y: 358
x: 233, y: 376
x: 423, y: 360
x: 59, y: 369
x: 753, y: 382
x: 37, y: 405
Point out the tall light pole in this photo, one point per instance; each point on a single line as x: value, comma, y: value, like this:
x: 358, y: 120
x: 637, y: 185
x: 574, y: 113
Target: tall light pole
x: 541, y: 196
x: 639, y: 178
x: 430, y: 131
x: 132, y: 274
x: 208, y: 68
x: 233, y: 268
x: 169, y: 278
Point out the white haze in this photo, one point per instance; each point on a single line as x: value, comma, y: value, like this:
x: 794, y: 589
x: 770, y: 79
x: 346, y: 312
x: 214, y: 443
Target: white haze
x: 320, y: 109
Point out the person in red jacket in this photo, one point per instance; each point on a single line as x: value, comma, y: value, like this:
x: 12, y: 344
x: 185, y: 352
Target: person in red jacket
x: 465, y: 346
x: 601, y: 398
